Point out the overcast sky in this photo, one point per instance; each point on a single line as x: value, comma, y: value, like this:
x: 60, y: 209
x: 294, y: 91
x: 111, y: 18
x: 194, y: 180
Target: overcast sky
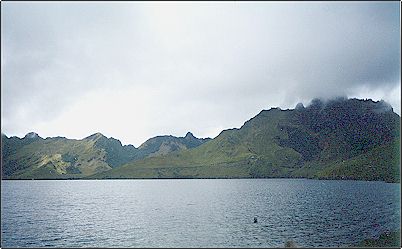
x: 134, y: 70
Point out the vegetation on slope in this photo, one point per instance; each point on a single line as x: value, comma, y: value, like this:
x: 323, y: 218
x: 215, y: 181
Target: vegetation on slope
x: 162, y: 145
x: 388, y: 239
x: 338, y: 139
x: 55, y: 158
x: 234, y: 153
x: 33, y: 157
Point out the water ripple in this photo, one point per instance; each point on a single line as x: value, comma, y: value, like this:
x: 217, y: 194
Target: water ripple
x: 195, y: 213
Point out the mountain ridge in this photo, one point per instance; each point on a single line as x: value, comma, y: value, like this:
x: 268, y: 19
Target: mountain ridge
x: 326, y: 140
x: 59, y: 157
x: 332, y: 139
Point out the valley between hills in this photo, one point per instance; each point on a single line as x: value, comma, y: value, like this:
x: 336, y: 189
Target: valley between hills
x: 337, y: 139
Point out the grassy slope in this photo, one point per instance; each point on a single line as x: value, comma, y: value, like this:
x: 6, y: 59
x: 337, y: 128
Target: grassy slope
x: 45, y: 158
x: 254, y: 151
x: 380, y: 163
x: 275, y: 143
x: 247, y: 152
x: 69, y: 158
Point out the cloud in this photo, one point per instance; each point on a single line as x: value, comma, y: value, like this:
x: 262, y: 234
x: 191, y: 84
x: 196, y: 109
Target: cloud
x: 136, y: 70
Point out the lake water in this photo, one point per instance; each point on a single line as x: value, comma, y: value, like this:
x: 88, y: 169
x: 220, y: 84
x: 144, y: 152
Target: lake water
x: 195, y: 212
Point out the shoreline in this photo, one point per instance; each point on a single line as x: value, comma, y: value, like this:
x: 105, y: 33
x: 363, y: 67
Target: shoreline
x: 195, y: 178
x: 385, y: 239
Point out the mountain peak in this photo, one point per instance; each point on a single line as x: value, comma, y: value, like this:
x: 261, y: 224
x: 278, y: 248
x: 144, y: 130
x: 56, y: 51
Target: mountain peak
x: 299, y: 106
x: 95, y: 136
x: 189, y: 135
x: 32, y: 135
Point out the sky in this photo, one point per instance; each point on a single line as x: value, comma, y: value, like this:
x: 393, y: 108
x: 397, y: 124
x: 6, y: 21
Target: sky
x: 135, y: 70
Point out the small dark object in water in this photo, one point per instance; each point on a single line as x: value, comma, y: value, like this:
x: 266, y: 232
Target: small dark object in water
x: 255, y: 220
x: 290, y: 243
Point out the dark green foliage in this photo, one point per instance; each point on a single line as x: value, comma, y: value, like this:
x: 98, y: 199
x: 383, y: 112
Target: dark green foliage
x: 116, y: 153
x: 73, y: 170
x: 72, y: 159
x: 387, y: 239
x: 69, y: 158
x: 10, y: 146
x: 11, y: 167
x: 162, y: 145
x: 301, y: 141
x: 380, y: 163
x: 356, y: 125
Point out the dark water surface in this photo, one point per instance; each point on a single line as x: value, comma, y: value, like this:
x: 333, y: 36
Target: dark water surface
x: 195, y: 212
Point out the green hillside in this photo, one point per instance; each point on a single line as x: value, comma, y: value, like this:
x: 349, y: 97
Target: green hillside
x: 33, y: 157
x: 162, y: 145
x: 338, y: 139
x: 335, y: 139
x: 54, y: 158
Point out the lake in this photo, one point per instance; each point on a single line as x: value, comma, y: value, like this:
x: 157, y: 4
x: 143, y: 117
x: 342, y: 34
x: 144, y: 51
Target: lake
x: 195, y: 212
